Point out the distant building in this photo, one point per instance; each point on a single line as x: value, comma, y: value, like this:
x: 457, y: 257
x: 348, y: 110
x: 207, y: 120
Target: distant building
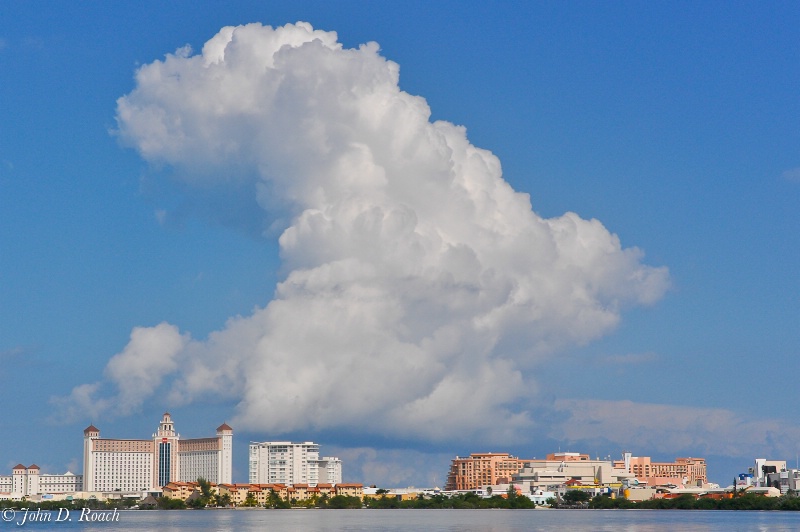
x: 567, y: 457
x: 288, y: 463
x: 763, y: 468
x: 686, y: 471
x: 29, y: 481
x: 139, y: 465
x: 481, y: 469
x: 569, y: 469
x: 330, y: 470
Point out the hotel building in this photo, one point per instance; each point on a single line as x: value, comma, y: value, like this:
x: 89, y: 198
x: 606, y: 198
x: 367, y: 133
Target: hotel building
x: 139, y: 465
x: 283, y: 462
x: 29, y: 481
x: 481, y: 469
x: 687, y: 471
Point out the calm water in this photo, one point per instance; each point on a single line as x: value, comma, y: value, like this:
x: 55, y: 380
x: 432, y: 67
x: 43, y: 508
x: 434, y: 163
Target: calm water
x: 435, y: 520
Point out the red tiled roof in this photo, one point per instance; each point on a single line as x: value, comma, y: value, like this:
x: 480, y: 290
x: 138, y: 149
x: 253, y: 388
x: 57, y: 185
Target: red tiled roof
x: 91, y: 428
x: 224, y: 426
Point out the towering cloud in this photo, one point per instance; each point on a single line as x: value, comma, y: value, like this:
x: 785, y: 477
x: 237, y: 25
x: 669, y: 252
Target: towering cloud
x: 421, y: 289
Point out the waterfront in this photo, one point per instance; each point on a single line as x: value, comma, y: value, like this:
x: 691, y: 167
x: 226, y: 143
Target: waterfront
x: 434, y: 520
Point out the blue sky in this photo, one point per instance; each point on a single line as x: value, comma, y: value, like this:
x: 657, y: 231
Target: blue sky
x: 673, y: 124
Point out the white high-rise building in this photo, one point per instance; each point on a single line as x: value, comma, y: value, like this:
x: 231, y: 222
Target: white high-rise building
x: 283, y: 462
x: 138, y: 465
x: 330, y: 470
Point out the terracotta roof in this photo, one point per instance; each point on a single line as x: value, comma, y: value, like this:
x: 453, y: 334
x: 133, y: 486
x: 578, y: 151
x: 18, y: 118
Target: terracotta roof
x: 224, y: 426
x: 33, y: 466
x: 20, y: 466
x: 91, y: 428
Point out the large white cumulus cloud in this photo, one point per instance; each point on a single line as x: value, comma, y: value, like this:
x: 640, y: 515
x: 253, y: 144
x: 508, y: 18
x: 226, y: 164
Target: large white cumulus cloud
x: 421, y: 289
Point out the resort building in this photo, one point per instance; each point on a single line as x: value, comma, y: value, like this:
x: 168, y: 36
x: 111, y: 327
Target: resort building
x: 30, y: 481
x: 571, y: 469
x: 139, y: 465
x: 481, y: 469
x: 283, y: 462
x: 686, y: 471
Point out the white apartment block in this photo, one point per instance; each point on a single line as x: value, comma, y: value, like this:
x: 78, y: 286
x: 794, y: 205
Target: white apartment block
x: 283, y: 462
x: 330, y: 470
x: 139, y: 465
x: 29, y: 481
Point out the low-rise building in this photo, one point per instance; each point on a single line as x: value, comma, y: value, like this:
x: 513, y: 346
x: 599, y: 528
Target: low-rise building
x: 576, y: 470
x: 237, y: 492
x: 541, y: 497
x: 349, y: 489
x: 30, y: 481
x: 182, y: 490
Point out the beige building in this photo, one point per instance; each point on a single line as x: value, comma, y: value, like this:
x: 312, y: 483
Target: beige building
x: 481, y: 469
x: 138, y: 465
x: 570, y: 469
x: 237, y: 492
x: 182, y: 490
x: 349, y: 489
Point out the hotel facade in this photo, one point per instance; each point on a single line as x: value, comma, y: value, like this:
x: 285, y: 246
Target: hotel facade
x: 481, y: 469
x: 144, y: 465
x: 283, y: 462
x: 686, y: 471
x: 30, y: 481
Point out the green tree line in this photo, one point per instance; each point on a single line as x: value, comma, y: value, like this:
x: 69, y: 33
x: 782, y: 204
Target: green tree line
x: 688, y: 502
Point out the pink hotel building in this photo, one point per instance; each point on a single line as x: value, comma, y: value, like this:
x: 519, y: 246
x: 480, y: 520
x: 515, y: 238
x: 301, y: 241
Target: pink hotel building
x: 688, y: 471
x: 141, y: 465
